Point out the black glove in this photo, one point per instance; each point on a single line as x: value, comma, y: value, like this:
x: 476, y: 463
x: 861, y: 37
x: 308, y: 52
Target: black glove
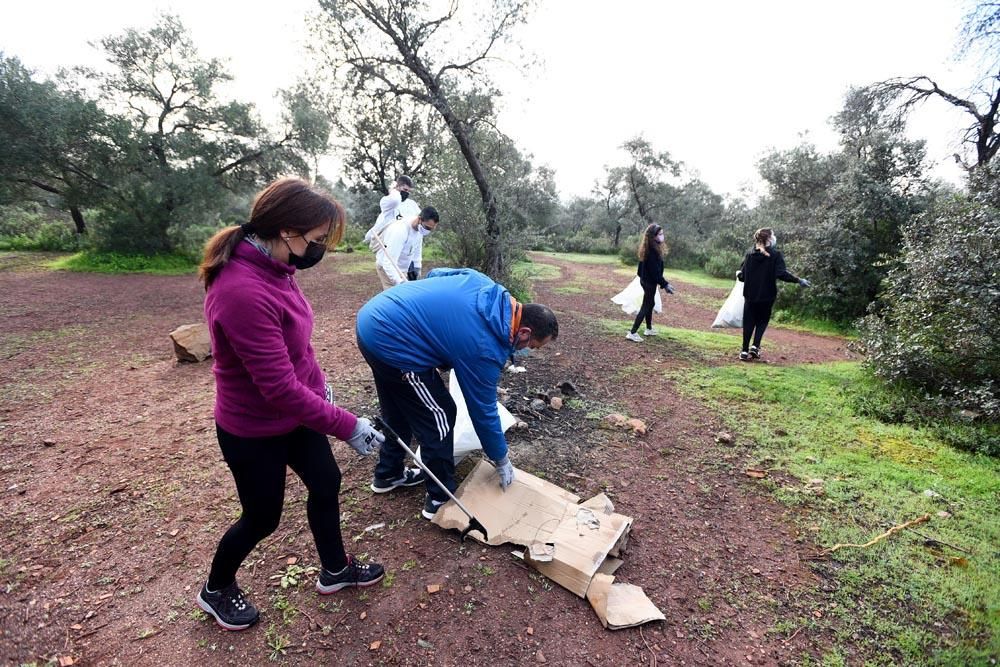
x: 668, y: 289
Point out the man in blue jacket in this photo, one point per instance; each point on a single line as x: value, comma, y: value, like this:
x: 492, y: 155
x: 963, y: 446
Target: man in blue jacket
x: 458, y: 319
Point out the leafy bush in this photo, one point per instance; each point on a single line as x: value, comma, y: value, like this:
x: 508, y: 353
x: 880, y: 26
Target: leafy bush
x: 935, y: 325
x: 30, y: 227
x: 723, y: 263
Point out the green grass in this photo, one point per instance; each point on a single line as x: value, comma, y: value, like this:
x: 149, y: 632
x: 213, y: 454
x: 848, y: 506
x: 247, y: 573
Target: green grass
x: 113, y: 262
x: 899, y: 602
x: 814, y: 325
x: 687, y: 277
x: 536, y: 270
x: 693, y: 342
x: 580, y: 258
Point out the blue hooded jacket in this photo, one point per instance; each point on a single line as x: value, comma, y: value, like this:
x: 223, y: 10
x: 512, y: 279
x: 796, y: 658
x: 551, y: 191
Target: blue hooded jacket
x: 454, y: 317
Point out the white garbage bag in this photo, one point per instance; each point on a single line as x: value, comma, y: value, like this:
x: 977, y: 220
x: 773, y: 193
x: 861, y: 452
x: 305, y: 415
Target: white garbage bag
x: 466, y: 440
x: 731, y: 313
x: 630, y: 298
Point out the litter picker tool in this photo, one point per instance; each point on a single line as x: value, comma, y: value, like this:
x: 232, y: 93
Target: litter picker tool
x: 474, y: 523
x: 386, y: 251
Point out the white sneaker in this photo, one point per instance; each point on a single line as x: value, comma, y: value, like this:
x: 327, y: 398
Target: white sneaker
x: 650, y: 332
x: 634, y: 337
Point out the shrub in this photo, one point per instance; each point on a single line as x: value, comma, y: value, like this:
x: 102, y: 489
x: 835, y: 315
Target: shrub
x: 32, y: 227
x: 723, y: 263
x: 934, y: 326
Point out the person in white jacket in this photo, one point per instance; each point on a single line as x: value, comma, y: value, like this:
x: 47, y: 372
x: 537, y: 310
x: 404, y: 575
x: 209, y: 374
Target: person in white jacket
x: 399, y: 259
x: 396, y: 205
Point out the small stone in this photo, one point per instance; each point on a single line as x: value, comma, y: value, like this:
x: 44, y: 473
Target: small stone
x: 944, y: 515
x: 433, y: 588
x: 467, y: 589
x: 556, y: 403
x: 537, y: 404
x: 48, y: 443
x: 724, y: 438
x: 540, y: 657
x: 530, y: 630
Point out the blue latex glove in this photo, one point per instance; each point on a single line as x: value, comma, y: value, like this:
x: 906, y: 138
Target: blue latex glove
x: 668, y: 289
x: 365, y: 439
x: 804, y: 283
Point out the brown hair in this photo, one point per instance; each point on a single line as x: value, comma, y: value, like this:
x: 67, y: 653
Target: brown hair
x: 761, y: 237
x: 287, y: 203
x: 649, y: 240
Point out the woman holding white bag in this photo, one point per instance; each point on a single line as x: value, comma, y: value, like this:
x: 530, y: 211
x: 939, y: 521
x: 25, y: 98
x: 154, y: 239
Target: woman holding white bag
x: 650, y: 272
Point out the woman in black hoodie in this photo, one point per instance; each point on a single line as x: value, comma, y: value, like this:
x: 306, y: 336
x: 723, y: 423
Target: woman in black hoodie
x: 761, y: 269
x: 650, y: 273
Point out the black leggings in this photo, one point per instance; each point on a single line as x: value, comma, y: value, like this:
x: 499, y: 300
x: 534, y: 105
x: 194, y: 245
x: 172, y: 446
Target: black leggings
x: 756, y: 315
x: 646, y: 310
x: 258, y: 466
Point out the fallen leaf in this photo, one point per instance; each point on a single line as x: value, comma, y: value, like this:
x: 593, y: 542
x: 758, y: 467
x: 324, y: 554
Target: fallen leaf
x: 66, y: 660
x: 292, y: 560
x: 433, y: 588
x: 637, y: 425
x: 530, y: 631
x: 540, y: 657
x: 422, y: 605
x: 959, y: 561
x: 364, y: 615
x: 756, y: 474
x: 374, y: 646
x: 76, y: 626
x: 424, y: 644
x: 173, y: 533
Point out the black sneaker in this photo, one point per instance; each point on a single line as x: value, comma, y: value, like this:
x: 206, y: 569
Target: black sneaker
x: 411, y: 477
x: 745, y: 356
x: 229, y: 607
x: 754, y: 352
x: 430, y: 507
x: 353, y: 574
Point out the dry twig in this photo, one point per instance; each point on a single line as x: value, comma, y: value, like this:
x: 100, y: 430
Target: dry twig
x: 879, y: 538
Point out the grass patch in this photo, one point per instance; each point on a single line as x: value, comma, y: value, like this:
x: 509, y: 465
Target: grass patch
x: 570, y: 289
x: 698, y: 278
x: 580, y: 258
x: 536, y: 271
x: 700, y: 343
x: 814, y: 325
x: 113, y: 262
x: 904, y: 600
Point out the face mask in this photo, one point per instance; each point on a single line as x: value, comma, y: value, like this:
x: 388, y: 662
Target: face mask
x: 521, y: 354
x: 423, y: 230
x: 659, y: 238
x: 403, y: 194
x: 314, y: 252
x: 773, y: 242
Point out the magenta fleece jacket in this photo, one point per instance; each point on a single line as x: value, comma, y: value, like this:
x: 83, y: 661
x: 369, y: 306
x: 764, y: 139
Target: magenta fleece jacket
x: 267, y: 379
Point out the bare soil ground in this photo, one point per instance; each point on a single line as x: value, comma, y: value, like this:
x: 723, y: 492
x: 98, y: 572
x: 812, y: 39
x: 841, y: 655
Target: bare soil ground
x: 114, y: 495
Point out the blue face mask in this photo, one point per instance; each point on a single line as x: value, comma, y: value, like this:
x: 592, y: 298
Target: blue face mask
x: 526, y: 352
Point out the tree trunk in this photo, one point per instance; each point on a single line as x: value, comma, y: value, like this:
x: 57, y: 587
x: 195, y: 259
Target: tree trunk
x: 495, y: 267
x: 81, y: 226
x: 618, y: 234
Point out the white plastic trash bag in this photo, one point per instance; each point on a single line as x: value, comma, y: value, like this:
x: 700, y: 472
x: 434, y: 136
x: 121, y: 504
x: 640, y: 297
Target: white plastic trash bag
x: 731, y: 313
x: 630, y: 298
x: 466, y: 440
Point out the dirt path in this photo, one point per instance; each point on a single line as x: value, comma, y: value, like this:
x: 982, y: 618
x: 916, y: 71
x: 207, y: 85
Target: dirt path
x: 115, y: 495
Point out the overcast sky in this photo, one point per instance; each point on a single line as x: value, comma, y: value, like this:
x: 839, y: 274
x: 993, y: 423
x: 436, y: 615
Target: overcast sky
x: 717, y: 84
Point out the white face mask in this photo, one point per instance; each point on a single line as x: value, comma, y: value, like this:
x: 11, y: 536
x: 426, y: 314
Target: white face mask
x: 423, y: 230
x: 773, y: 242
x: 659, y: 238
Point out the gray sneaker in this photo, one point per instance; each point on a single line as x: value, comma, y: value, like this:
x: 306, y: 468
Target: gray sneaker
x: 411, y: 477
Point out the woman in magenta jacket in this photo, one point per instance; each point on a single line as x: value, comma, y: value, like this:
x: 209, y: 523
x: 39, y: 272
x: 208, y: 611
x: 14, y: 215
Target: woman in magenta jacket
x: 273, y: 408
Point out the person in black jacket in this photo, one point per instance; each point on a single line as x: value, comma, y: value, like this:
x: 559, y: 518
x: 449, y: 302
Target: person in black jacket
x: 761, y: 269
x: 650, y: 272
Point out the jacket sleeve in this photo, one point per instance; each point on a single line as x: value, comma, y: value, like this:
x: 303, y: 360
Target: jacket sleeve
x: 739, y: 274
x: 253, y: 329
x: 479, y: 387
x: 394, y: 238
x: 780, y: 272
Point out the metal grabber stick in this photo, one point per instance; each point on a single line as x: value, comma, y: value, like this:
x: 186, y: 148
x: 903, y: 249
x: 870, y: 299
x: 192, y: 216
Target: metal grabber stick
x: 474, y: 523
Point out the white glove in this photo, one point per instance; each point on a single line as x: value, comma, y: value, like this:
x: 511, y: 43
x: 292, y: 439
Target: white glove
x: 506, y: 472
x: 330, y: 398
x: 804, y: 282
x: 365, y: 439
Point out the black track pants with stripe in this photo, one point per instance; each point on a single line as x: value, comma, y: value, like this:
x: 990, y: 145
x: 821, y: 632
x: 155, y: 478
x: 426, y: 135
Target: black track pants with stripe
x: 415, y: 404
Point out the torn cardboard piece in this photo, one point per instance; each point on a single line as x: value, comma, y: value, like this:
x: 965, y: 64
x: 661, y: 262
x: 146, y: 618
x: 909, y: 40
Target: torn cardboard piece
x: 567, y: 541
x: 620, y: 605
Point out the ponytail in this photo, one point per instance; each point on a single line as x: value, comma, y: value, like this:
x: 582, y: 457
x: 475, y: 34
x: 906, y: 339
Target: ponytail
x: 218, y: 250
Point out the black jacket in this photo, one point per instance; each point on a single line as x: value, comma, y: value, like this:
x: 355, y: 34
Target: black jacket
x: 650, y: 270
x: 760, y: 273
